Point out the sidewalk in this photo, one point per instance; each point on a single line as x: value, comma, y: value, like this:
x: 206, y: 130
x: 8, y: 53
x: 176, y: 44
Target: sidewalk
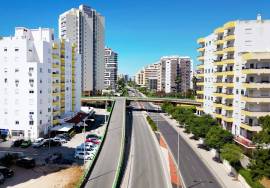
x: 216, y: 168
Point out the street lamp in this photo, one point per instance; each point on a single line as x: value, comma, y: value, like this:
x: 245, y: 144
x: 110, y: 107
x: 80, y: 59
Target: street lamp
x: 84, y: 154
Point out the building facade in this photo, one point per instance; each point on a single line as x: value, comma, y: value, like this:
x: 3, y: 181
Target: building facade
x: 111, y: 68
x: 39, y: 82
x: 85, y: 27
x: 234, y: 76
x: 169, y: 74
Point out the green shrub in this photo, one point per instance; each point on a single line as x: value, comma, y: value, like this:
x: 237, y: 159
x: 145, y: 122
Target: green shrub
x: 72, y: 133
x: 247, y: 175
x: 152, y: 123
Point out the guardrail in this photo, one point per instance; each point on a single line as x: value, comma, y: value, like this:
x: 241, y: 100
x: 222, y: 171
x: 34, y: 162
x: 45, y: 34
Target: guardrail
x: 119, y: 170
x: 88, y: 171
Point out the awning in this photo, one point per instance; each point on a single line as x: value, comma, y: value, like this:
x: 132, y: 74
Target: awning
x: 63, y: 128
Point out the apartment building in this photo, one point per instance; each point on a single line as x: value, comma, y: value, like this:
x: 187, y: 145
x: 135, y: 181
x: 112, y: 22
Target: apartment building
x: 169, y: 74
x: 85, y: 27
x: 139, y: 78
x: 234, y: 76
x: 175, y: 74
x: 39, y: 82
x: 111, y: 68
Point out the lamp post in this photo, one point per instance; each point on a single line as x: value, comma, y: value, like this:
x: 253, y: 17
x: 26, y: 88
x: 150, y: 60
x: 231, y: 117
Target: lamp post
x: 84, y: 154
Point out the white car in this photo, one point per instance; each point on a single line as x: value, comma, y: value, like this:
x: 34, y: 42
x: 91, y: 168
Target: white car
x: 87, y: 156
x: 58, y: 139
x: 38, y: 142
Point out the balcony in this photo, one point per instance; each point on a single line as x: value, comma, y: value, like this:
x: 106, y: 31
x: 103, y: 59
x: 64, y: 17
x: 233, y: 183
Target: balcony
x: 200, y: 84
x: 201, y: 40
x: 224, y: 84
x: 201, y: 66
x: 219, y: 30
x: 229, y: 37
x: 219, y: 51
x: 55, y: 56
x: 200, y: 75
x: 229, y: 25
x: 253, y: 113
x: 225, y: 62
x: 244, y: 142
x: 229, y: 49
x: 250, y: 127
x: 55, y: 46
x: 55, y: 75
x: 199, y: 108
x: 200, y: 92
x: 200, y: 49
x: 256, y: 85
x: 219, y: 42
x: 227, y: 119
x: 228, y: 107
x: 199, y: 100
x: 55, y: 65
x: 256, y: 99
x: 217, y: 115
x: 256, y: 71
x: 217, y: 105
x: 256, y: 56
x: 224, y: 95
x: 200, y: 58
x: 224, y: 73
x: 56, y: 121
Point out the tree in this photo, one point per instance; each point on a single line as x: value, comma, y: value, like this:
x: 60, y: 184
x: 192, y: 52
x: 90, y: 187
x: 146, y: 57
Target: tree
x: 231, y: 153
x: 260, y: 165
x: 201, y: 125
x: 194, y: 82
x: 178, y: 82
x: 218, y: 137
x: 263, y: 137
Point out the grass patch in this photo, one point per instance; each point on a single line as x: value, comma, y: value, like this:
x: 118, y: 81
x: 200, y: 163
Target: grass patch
x: 247, y: 175
x: 152, y: 123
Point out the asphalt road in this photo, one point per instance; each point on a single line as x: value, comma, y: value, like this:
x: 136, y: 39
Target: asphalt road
x: 147, y: 168
x: 193, y: 170
x: 104, y: 171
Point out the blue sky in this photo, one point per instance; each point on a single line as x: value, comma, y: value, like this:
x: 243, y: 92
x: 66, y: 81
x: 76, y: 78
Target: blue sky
x: 141, y: 31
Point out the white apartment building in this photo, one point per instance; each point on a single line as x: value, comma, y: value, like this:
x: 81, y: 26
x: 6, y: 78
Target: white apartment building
x: 234, y: 77
x: 139, y: 78
x: 111, y: 68
x: 39, y: 82
x: 85, y: 27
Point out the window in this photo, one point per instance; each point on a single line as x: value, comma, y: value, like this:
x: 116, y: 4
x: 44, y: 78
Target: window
x: 17, y: 122
x: 31, y: 122
x: 16, y: 49
x: 5, y: 49
x: 31, y: 91
x: 5, y: 80
x: 31, y: 113
x: 17, y: 70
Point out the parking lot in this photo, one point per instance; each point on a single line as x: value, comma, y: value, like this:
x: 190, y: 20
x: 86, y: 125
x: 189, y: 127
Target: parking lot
x: 26, y: 177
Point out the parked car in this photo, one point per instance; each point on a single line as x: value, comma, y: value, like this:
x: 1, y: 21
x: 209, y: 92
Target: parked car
x: 26, y: 162
x: 93, y: 140
x: 64, y: 135
x: 93, y: 136
x: 204, y: 146
x: 2, y: 178
x: 26, y: 143
x: 38, y: 143
x: 217, y: 159
x: 51, y: 142
x: 81, y: 155
x: 17, y: 143
x: 6, y: 172
x: 58, y: 139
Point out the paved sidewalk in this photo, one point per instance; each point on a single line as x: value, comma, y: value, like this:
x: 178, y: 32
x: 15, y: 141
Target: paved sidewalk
x: 218, y: 169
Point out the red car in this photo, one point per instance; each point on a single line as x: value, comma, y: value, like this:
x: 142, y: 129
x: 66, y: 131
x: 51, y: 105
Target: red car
x: 93, y: 140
